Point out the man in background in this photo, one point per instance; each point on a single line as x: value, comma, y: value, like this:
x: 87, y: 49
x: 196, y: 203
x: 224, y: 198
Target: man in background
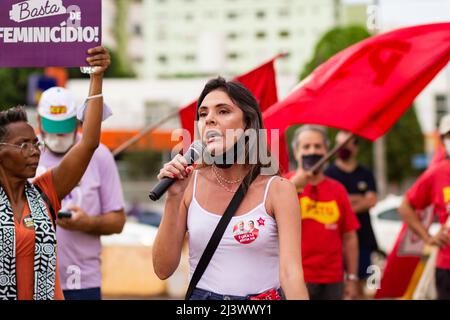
x: 432, y: 188
x: 329, y: 240
x: 360, y: 185
x: 96, y: 205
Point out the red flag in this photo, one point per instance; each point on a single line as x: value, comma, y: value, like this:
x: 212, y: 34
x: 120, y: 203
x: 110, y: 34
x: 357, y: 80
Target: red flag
x: 368, y: 86
x: 398, y: 271
x: 187, y: 118
x: 261, y: 82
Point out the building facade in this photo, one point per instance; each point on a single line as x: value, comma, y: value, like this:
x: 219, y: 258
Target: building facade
x: 200, y: 37
x: 123, y: 30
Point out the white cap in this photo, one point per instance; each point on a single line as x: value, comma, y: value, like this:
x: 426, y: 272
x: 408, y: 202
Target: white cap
x: 58, y: 111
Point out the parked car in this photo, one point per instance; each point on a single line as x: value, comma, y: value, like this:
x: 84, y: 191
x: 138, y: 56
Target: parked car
x: 387, y: 223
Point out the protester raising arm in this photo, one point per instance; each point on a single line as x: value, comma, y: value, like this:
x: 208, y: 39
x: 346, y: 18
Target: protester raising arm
x: 72, y: 167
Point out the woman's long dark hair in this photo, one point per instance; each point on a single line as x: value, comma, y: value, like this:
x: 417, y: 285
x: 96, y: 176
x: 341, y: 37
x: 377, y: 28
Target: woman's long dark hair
x: 245, y: 100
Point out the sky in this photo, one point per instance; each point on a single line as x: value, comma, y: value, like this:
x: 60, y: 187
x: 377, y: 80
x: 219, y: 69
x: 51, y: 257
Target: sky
x: 396, y: 13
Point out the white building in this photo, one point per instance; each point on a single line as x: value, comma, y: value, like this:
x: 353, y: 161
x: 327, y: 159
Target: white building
x: 134, y: 29
x: 205, y: 37
x: 209, y: 37
x: 187, y: 37
x: 137, y: 103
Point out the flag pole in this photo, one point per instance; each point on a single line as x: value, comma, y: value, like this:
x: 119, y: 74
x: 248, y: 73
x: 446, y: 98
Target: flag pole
x: 379, y: 146
x: 143, y: 132
x: 315, y: 169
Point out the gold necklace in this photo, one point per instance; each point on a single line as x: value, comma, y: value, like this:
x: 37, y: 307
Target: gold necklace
x: 222, y: 184
x: 223, y: 179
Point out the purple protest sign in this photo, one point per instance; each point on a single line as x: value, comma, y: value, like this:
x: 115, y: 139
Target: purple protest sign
x: 43, y: 33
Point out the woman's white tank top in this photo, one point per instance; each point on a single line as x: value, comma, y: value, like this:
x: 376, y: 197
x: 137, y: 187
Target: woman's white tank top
x: 247, y: 258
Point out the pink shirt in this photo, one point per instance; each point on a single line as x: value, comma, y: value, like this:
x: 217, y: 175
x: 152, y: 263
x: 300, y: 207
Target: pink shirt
x: 99, y: 192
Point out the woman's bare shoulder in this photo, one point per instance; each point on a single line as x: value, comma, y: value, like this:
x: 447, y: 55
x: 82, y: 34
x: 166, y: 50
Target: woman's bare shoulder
x: 281, y: 190
x: 277, y: 181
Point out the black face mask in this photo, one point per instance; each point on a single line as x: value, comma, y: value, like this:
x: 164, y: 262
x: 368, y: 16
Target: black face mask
x: 344, y: 154
x: 309, y: 160
x: 223, y: 160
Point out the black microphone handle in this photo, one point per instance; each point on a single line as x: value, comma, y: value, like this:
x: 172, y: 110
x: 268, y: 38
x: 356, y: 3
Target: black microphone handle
x: 160, y: 188
x: 191, y: 155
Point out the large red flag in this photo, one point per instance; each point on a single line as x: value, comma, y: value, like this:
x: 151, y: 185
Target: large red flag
x: 260, y: 81
x: 368, y: 86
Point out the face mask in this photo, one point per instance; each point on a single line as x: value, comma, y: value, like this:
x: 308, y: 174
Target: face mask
x: 447, y: 146
x: 309, y: 160
x: 231, y: 156
x: 344, y: 154
x: 59, y: 143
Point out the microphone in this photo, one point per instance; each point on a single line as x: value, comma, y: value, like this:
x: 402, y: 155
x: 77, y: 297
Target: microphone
x: 192, y: 154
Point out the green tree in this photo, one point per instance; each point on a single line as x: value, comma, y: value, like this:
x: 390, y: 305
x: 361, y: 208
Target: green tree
x: 13, y: 90
x: 121, y: 35
x: 121, y: 65
x: 403, y: 141
x: 333, y: 41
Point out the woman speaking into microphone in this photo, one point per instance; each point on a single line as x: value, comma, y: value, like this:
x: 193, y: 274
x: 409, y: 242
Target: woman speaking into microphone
x: 243, y: 225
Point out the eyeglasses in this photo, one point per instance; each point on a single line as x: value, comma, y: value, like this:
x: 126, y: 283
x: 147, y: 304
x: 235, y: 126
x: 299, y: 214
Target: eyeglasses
x: 26, y: 147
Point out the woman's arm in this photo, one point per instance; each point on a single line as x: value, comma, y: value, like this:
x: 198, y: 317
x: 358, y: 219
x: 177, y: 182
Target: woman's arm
x: 169, y: 241
x: 106, y: 224
x: 168, y: 244
x: 283, y: 202
x: 362, y: 203
x: 406, y: 211
x: 408, y: 215
x: 72, y: 167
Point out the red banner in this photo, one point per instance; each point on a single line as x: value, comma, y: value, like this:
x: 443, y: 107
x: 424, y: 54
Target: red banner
x: 368, y: 86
